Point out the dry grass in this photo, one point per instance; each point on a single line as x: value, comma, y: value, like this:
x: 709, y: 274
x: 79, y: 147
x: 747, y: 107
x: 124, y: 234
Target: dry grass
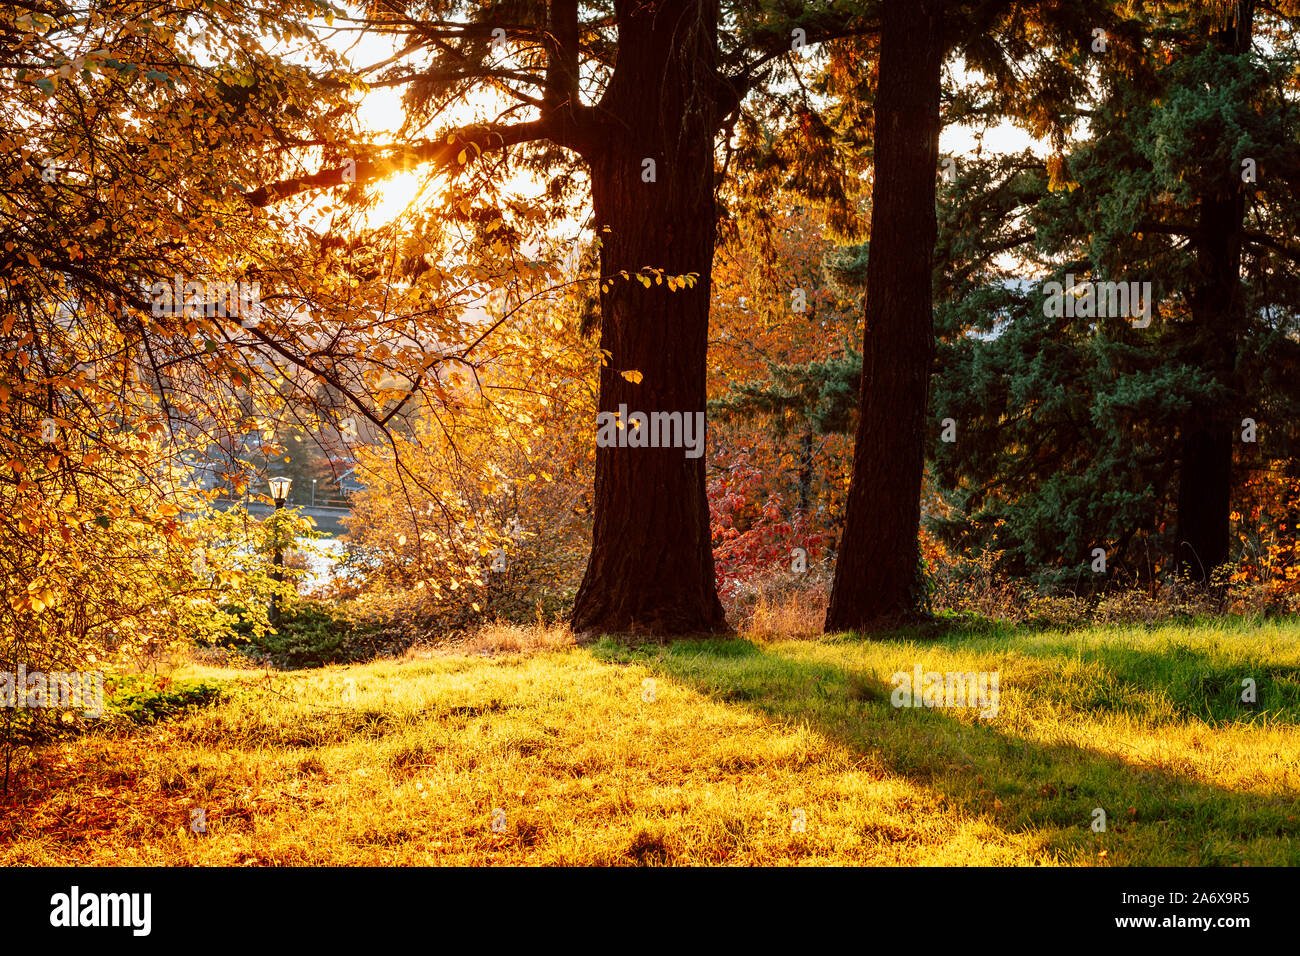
x: 702, y: 753
x: 800, y: 613
x: 491, y: 640
x: 783, y: 605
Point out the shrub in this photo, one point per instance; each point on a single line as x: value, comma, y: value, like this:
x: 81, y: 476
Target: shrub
x: 753, y: 540
x: 147, y: 700
x: 311, y: 634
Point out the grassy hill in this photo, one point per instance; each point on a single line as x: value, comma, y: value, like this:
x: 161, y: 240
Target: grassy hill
x: 703, y: 753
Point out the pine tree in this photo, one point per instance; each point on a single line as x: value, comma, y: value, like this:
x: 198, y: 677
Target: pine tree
x: 1089, y: 432
x: 876, y: 574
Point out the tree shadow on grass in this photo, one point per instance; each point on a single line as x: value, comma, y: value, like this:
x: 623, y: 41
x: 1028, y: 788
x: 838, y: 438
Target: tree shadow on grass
x: 1192, y: 681
x: 1176, y: 677
x: 1156, y: 815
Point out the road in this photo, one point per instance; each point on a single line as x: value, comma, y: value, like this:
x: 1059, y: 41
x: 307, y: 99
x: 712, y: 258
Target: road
x: 328, y: 520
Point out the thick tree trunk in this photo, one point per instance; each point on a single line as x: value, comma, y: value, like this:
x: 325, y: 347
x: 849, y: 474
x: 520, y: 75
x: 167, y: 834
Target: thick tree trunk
x: 1211, y: 427
x: 651, y: 565
x: 1204, y: 493
x: 875, y: 573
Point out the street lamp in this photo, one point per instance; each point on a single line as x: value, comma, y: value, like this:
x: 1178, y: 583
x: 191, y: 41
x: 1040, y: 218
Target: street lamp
x: 279, y: 492
x: 313, y: 492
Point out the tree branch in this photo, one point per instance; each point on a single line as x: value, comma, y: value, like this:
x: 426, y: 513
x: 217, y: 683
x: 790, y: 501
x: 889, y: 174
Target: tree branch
x: 1276, y: 245
x: 446, y: 152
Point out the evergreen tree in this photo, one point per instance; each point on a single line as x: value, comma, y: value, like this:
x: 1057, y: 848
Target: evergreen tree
x: 1035, y: 61
x: 1089, y: 431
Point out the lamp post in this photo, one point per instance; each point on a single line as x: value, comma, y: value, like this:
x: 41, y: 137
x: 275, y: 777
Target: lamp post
x: 279, y: 493
x: 313, y: 492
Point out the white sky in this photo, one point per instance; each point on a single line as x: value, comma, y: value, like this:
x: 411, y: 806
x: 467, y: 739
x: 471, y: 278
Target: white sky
x: 381, y: 112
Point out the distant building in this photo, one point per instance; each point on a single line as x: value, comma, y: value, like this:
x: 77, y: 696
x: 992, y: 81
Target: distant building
x: 349, y: 483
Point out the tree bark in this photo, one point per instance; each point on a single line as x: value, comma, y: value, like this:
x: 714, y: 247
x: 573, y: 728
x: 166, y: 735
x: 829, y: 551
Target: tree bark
x: 1204, y: 493
x: 651, y: 564
x: 875, y: 582
x: 1210, y: 426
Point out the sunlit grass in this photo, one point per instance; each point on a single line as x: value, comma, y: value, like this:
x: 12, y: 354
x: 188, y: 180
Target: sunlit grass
x: 404, y: 762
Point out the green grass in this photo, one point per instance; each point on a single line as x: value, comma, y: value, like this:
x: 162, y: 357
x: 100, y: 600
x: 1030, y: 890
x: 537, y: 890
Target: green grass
x: 1146, y: 724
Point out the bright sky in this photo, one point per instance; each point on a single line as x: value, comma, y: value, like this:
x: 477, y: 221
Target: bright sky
x: 381, y: 112
x: 1003, y: 138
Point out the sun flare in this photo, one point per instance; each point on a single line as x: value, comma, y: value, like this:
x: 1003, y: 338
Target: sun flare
x: 397, y: 194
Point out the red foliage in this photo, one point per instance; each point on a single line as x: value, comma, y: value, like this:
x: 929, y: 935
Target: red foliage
x: 752, y: 537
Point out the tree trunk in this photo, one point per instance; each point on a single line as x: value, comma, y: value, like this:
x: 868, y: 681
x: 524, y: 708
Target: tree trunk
x: 875, y: 574
x: 1204, y: 493
x: 651, y: 565
x: 1211, y: 427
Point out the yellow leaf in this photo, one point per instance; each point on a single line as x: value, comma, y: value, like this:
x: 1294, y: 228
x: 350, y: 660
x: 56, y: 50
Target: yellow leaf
x: 632, y: 376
